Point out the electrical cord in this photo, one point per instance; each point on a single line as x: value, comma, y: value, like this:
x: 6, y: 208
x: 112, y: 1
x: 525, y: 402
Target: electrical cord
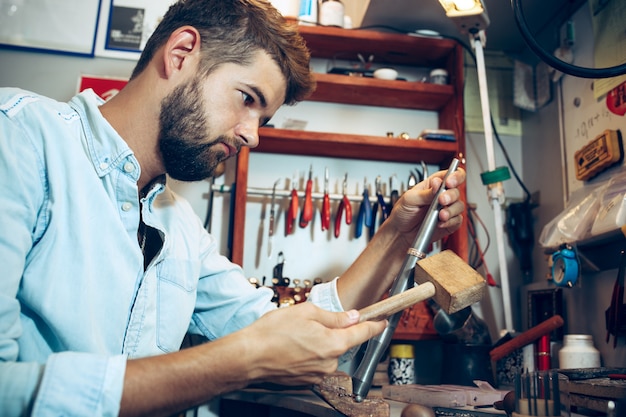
x: 564, y: 67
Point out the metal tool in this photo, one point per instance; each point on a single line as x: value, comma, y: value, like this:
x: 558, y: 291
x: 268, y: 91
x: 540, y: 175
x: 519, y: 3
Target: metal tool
x: 378, y: 203
x: 307, y: 208
x: 615, y: 313
x: 292, y: 212
x: 270, y: 239
x: 364, y: 216
x: 325, y: 213
x: 394, y: 195
x: 362, y: 378
x: 344, y: 204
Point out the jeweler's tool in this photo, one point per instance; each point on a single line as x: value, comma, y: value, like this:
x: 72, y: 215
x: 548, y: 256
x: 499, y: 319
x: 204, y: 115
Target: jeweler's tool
x: 270, y: 238
x: 344, y: 204
x: 307, y: 208
x: 362, y: 378
x: 325, y: 204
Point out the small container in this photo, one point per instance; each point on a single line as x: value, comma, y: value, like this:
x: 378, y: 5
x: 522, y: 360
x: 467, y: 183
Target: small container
x: 332, y: 13
x: 578, y: 352
x: 401, y: 364
x: 439, y: 76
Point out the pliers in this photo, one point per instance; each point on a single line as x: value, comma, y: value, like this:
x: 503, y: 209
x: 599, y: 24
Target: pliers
x: 380, y: 201
x: 292, y: 212
x: 343, y: 204
x: 325, y: 212
x: 307, y: 209
x: 365, y: 212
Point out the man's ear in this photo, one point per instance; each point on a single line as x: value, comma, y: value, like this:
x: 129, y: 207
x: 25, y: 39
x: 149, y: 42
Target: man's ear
x: 181, y: 49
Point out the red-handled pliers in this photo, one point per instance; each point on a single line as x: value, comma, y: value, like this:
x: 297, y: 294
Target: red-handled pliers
x: 292, y: 212
x: 325, y: 204
x: 307, y: 209
x: 344, y: 204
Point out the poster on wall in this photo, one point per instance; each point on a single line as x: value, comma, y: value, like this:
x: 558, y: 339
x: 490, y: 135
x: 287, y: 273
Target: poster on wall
x: 125, y: 26
x: 50, y: 25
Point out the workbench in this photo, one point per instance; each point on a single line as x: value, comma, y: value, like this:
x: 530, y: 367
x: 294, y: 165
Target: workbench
x: 304, y: 403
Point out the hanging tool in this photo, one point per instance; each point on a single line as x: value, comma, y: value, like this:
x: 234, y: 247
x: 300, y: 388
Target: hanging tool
x: 325, y: 204
x: 344, y: 204
x: 278, y: 279
x: 615, y: 314
x: 379, y: 203
x: 394, y: 195
x: 365, y: 212
x: 270, y: 239
x: 416, y: 176
x: 362, y: 378
x: 307, y: 209
x: 292, y: 212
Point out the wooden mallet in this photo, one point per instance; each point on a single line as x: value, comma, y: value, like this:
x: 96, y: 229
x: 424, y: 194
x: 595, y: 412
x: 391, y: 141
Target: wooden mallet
x: 446, y: 278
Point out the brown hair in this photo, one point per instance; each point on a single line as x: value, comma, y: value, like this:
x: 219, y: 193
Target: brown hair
x: 232, y: 31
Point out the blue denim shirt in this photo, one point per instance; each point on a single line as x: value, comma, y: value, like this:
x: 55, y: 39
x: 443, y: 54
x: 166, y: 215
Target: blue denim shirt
x: 75, y: 302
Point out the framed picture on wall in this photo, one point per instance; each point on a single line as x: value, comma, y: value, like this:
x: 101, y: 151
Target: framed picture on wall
x: 124, y: 26
x: 67, y: 26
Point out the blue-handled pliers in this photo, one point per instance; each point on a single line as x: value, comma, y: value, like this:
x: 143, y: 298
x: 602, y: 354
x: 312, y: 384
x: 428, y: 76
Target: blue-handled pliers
x: 365, y: 212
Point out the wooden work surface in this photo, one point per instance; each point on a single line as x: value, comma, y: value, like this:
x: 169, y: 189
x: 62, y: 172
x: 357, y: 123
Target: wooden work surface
x: 265, y: 403
x: 304, y: 403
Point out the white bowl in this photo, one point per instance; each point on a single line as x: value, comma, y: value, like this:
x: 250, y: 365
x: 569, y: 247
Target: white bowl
x: 386, y: 74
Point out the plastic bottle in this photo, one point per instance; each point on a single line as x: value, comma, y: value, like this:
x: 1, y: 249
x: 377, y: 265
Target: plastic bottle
x: 578, y: 352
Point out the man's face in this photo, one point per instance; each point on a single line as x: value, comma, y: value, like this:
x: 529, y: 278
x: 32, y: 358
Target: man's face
x: 206, y: 121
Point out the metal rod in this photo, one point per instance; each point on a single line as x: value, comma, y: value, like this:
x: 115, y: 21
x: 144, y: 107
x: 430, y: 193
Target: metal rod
x: 225, y: 189
x: 362, y: 378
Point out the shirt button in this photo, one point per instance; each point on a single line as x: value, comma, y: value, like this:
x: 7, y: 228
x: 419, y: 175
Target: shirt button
x: 104, y: 165
x: 129, y: 167
x: 127, y: 206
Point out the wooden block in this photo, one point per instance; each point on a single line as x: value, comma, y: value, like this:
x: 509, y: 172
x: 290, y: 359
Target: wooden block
x: 430, y: 395
x: 336, y: 390
x: 457, y: 285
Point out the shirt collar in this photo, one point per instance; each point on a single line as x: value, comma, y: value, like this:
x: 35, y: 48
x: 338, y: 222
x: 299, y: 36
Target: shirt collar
x: 106, y: 147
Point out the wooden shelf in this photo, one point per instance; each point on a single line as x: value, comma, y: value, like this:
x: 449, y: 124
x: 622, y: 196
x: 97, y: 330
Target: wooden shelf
x: 393, y: 50
x: 378, y: 148
x: 384, y: 93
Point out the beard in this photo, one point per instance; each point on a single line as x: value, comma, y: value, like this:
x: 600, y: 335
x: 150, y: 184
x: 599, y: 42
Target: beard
x: 186, y: 153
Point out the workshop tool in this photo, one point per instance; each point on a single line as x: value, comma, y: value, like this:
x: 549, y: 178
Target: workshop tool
x: 325, y: 212
x: 362, y: 378
x: 364, y: 216
x: 292, y: 212
x: 307, y: 208
x: 394, y: 194
x: 416, y: 176
x: 614, y: 315
x: 378, y: 203
x: 344, y: 205
x: 445, y: 277
x: 538, y: 394
x: 526, y: 338
x: 270, y: 239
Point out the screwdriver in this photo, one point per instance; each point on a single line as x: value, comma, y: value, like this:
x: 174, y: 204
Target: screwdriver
x: 325, y: 204
x: 292, y: 212
x: 307, y: 209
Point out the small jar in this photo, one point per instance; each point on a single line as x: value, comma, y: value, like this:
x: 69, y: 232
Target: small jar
x: 401, y: 364
x: 578, y: 352
x: 331, y: 13
x: 439, y: 76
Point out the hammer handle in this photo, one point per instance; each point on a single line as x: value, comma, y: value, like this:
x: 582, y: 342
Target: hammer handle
x: 385, y: 308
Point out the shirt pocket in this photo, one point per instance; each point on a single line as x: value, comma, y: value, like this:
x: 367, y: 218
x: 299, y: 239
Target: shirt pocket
x: 177, y: 281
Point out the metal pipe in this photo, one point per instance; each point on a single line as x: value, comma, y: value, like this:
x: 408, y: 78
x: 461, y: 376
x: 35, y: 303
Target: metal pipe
x: 362, y: 378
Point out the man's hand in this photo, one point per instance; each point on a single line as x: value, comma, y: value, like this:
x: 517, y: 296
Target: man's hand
x: 409, y: 212
x: 300, y: 344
